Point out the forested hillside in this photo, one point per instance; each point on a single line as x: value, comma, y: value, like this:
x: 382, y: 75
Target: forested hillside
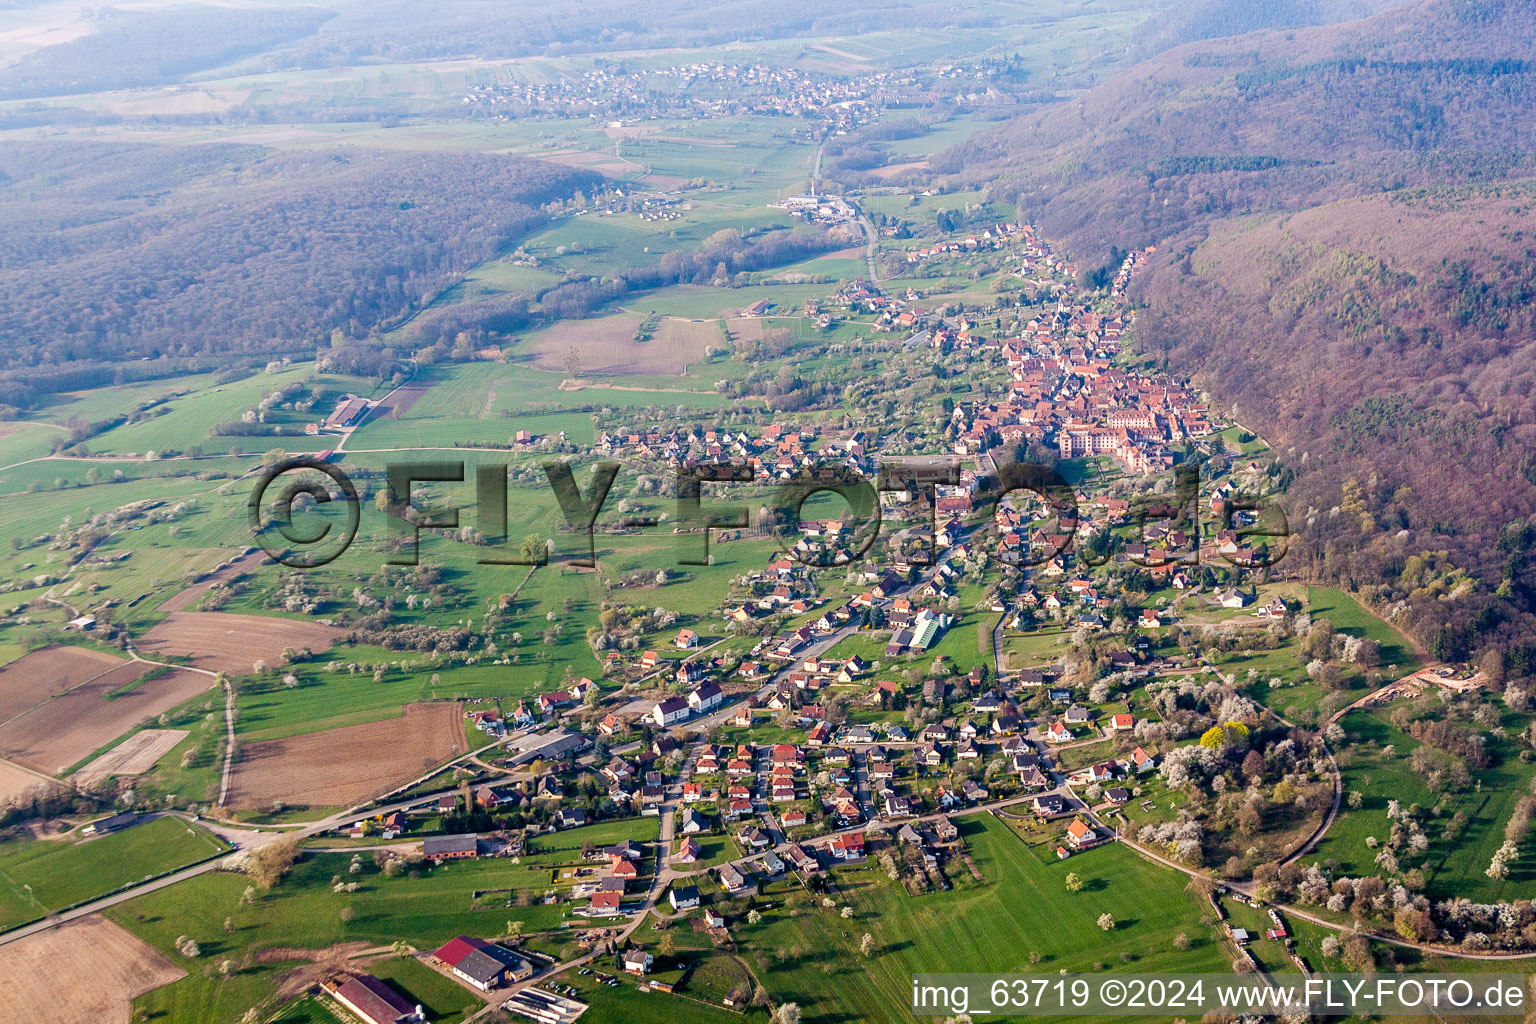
x: 128, y: 252
x: 136, y: 47
x: 1431, y: 93
x: 1345, y: 231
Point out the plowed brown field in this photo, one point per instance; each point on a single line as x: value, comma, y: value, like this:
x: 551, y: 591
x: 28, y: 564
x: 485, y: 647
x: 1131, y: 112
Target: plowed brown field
x: 343, y: 767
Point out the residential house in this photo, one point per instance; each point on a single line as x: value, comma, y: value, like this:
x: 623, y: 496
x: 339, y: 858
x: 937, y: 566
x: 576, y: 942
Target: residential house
x: 732, y: 880
x: 670, y: 711
x: 706, y: 697
x: 1080, y: 835
x: 847, y: 846
x: 1049, y: 805
x: 802, y: 860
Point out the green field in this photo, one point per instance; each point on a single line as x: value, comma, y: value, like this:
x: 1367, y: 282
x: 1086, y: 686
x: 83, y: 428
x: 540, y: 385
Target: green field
x: 1021, y: 906
x: 42, y: 875
x: 304, y: 912
x: 445, y: 1000
x: 1347, y: 616
x: 1455, y: 866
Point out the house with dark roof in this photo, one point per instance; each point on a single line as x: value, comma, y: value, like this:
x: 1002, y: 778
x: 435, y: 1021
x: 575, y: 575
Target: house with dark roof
x: 670, y: 710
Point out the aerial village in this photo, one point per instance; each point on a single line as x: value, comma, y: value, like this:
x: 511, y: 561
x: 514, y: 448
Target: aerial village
x: 797, y: 756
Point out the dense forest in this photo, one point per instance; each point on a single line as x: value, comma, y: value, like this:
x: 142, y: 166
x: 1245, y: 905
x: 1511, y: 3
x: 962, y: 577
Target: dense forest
x: 130, y: 252
x: 1387, y: 344
x: 1345, y: 232
x: 1197, y: 20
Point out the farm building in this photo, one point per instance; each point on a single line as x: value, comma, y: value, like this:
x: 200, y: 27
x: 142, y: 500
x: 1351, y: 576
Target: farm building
x: 482, y: 964
x: 372, y: 1000
x: 115, y: 823
x: 348, y: 413
x: 460, y: 847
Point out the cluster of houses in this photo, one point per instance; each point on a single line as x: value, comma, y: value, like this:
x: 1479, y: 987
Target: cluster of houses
x: 621, y: 866
x: 695, y: 91
x: 777, y: 454
x: 1066, y: 390
x: 995, y: 236
x: 774, y: 776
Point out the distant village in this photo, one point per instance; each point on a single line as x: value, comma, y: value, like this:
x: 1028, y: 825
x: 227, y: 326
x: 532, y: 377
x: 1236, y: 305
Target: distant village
x: 700, y: 91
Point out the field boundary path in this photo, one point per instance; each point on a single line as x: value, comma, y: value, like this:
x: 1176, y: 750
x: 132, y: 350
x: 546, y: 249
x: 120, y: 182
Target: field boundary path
x: 229, y: 740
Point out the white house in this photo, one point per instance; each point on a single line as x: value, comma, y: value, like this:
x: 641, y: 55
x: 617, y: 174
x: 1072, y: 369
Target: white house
x: 706, y: 697
x: 670, y: 711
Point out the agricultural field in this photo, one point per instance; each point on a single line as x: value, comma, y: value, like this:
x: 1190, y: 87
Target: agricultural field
x: 1021, y: 906
x: 48, y: 672
x: 343, y: 766
x: 525, y: 334
x: 89, y: 969
x: 134, y: 756
x: 630, y: 344
x: 233, y: 644
x: 69, y: 728
x: 19, y: 784
x: 425, y: 907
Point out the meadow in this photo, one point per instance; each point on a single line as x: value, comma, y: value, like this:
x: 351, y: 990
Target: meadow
x: 424, y: 907
x: 810, y: 955
x: 42, y: 875
x: 1398, y: 657
x: 1454, y: 866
